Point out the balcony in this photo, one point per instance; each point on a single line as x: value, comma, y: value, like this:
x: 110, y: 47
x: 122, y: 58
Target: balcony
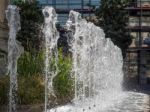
x: 134, y: 21
x: 139, y: 28
x: 134, y: 24
x: 139, y: 5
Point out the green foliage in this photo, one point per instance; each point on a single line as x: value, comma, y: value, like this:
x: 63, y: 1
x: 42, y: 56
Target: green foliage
x: 63, y: 82
x: 31, y: 20
x: 4, y: 86
x: 31, y: 83
x: 31, y: 89
x: 29, y: 64
x: 113, y: 19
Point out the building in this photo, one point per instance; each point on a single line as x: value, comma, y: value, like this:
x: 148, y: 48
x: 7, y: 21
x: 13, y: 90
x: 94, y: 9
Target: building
x: 85, y: 7
x: 139, y: 28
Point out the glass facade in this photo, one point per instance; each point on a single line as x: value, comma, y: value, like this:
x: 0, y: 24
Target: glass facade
x: 144, y: 3
x: 70, y: 4
x: 85, y: 7
x: 139, y: 28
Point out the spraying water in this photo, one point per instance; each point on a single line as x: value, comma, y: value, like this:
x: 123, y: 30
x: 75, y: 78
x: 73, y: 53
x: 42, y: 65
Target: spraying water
x: 97, y: 62
x: 97, y: 66
x: 51, y: 55
x: 14, y: 51
x: 97, y: 70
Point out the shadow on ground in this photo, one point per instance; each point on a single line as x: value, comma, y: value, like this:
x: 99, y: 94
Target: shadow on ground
x: 131, y: 83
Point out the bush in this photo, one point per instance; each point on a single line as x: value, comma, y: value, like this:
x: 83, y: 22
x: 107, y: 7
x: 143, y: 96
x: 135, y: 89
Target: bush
x: 63, y: 82
x: 31, y: 90
x: 29, y: 64
x: 4, y: 87
x: 31, y: 84
x: 31, y: 21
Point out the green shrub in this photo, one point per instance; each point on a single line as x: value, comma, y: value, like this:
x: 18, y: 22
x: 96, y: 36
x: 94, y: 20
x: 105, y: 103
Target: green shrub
x: 30, y: 90
x: 31, y: 84
x: 4, y: 89
x: 29, y: 64
x: 63, y: 82
x: 31, y: 21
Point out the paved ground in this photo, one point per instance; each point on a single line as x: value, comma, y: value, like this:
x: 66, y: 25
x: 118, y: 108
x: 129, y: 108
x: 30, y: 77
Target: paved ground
x: 131, y: 84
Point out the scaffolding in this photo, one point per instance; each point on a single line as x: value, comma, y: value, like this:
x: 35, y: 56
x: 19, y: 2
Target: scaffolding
x: 137, y: 55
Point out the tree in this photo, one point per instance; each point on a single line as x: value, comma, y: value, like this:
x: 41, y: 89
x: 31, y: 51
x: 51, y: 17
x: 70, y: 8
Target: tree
x: 113, y: 19
x: 31, y: 21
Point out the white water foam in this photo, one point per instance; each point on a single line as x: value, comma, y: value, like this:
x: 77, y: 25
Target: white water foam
x: 97, y: 70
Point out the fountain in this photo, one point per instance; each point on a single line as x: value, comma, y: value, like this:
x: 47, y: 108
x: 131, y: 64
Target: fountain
x: 14, y: 51
x: 97, y: 70
x: 97, y: 62
x: 97, y: 66
x: 51, y: 55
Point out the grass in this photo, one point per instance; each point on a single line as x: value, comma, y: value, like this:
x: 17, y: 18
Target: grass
x: 30, y: 90
x: 63, y: 82
x: 31, y: 81
x: 4, y: 86
x: 29, y: 64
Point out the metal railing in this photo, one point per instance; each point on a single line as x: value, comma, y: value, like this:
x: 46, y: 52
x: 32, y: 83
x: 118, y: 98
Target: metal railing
x: 143, y: 4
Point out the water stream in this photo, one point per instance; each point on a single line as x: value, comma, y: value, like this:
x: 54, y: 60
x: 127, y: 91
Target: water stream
x: 97, y: 62
x: 14, y: 51
x: 51, y: 56
x: 97, y: 70
x: 97, y: 66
